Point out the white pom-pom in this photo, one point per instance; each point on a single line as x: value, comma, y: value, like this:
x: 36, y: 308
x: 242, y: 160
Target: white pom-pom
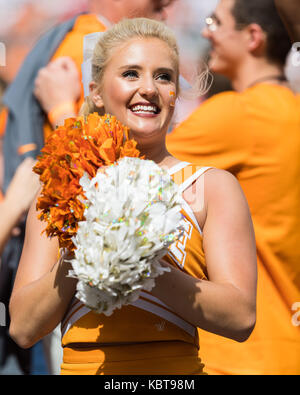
x: 132, y: 217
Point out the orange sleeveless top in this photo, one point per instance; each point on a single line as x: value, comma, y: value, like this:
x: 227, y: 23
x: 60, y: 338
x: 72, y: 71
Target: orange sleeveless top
x: 145, y: 337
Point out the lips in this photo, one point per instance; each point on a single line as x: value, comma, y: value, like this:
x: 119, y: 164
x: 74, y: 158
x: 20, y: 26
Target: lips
x: 145, y: 108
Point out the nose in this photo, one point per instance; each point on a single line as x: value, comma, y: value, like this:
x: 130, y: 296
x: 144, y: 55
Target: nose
x: 163, y: 15
x: 206, y: 33
x: 148, y: 88
x: 160, y: 15
x: 161, y: 9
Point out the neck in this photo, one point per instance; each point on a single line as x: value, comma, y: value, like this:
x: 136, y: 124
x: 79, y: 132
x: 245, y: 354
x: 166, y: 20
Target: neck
x: 104, y: 11
x: 255, y: 70
x: 105, y: 21
x: 159, y: 154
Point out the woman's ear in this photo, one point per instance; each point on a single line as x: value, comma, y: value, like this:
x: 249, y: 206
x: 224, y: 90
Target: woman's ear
x: 95, y: 95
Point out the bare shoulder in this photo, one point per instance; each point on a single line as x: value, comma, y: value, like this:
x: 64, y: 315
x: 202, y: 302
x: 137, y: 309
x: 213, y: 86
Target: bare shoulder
x: 216, y: 191
x: 221, y: 187
x: 214, y: 173
x: 220, y: 181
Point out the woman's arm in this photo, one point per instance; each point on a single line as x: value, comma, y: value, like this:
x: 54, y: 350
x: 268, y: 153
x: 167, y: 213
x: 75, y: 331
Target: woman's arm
x: 226, y: 304
x: 289, y: 12
x: 41, y: 292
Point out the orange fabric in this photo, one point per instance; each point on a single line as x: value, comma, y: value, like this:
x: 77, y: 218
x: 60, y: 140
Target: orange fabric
x: 23, y: 149
x: 72, y: 46
x: 111, y: 360
x: 61, y: 110
x: 158, y: 340
x: 3, y: 119
x: 256, y: 136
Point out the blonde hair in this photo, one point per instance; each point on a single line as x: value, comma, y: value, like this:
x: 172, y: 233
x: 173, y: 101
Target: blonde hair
x: 119, y: 34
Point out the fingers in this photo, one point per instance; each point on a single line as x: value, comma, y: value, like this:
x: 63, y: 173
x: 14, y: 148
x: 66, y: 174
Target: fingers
x: 64, y: 63
x: 59, y: 65
x: 57, y: 83
x: 25, y: 176
x: 43, y: 74
x: 165, y: 263
x: 24, y: 186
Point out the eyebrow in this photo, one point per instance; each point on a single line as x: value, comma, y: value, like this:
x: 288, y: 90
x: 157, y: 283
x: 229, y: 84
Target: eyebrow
x: 130, y: 66
x: 214, y: 16
x: 166, y: 70
x: 137, y: 67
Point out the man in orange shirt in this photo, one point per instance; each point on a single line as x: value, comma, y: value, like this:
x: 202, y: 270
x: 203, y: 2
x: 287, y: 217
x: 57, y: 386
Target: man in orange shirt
x: 254, y: 132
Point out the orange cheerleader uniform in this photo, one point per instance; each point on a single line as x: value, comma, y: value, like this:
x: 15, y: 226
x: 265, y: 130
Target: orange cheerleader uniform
x: 147, y: 336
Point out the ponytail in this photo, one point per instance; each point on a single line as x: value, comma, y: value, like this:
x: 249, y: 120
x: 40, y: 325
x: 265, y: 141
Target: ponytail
x: 88, y: 107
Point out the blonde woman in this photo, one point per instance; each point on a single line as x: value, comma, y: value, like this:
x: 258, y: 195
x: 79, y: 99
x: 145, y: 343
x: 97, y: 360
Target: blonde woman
x: 212, y: 282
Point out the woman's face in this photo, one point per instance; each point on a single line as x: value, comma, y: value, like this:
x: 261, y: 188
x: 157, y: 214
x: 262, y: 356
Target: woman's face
x: 139, y: 88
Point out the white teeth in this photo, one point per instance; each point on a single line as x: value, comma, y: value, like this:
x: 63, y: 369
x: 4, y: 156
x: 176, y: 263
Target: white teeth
x: 141, y: 108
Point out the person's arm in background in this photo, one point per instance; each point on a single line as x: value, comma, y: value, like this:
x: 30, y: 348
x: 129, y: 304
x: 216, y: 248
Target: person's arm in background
x: 58, y: 88
x: 20, y: 193
x: 289, y: 11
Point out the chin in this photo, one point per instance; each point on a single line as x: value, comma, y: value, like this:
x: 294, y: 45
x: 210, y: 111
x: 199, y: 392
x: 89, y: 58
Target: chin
x: 143, y: 135
x: 147, y: 136
x: 218, y: 68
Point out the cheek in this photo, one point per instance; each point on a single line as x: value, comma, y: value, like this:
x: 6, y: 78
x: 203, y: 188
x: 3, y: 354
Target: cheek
x: 170, y: 96
x: 117, y: 93
x: 228, y: 47
x: 169, y: 103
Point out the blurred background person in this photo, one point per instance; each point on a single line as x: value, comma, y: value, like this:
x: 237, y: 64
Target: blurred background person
x: 19, y: 195
x: 254, y: 132
x: 292, y: 69
x: 13, y: 206
x: 22, y: 22
x: 289, y: 12
x: 183, y: 18
x: 47, y: 89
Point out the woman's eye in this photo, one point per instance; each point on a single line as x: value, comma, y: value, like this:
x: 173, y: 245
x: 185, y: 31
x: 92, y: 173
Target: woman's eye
x: 131, y: 74
x: 164, y: 77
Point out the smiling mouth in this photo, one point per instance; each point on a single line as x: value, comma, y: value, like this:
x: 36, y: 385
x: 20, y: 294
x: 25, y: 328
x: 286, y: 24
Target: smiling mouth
x: 147, y: 109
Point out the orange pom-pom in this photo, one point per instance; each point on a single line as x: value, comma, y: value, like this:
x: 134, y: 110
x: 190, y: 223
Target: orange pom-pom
x: 77, y: 147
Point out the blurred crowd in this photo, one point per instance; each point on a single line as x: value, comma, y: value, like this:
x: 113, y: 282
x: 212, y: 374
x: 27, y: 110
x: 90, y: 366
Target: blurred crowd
x: 22, y: 22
